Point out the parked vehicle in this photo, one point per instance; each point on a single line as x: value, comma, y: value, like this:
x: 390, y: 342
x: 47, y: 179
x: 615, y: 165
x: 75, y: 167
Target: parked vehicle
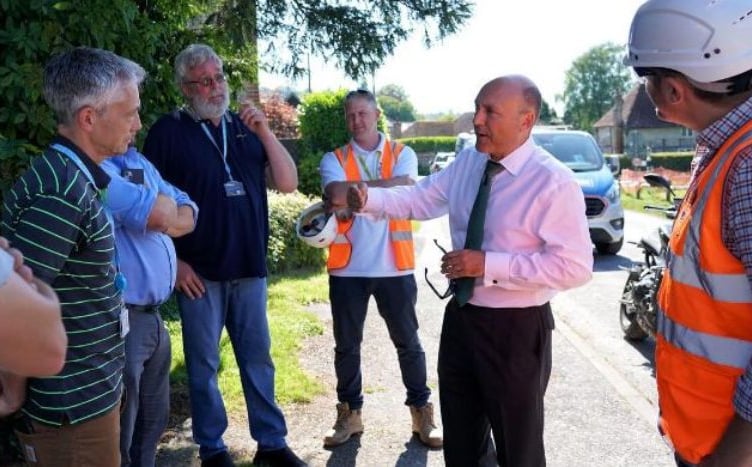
x: 638, y: 304
x: 579, y: 151
x: 441, y: 160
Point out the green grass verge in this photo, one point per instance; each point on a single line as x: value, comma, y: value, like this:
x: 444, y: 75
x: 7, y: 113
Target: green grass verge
x: 289, y: 324
x: 648, y: 196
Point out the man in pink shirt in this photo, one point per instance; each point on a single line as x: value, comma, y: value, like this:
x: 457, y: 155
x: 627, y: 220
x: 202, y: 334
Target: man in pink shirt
x: 495, y: 351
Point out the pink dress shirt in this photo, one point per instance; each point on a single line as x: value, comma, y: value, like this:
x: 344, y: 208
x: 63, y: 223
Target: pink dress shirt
x: 536, y: 234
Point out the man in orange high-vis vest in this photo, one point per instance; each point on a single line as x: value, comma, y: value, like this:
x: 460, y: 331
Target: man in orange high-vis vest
x: 696, y: 59
x: 373, y: 257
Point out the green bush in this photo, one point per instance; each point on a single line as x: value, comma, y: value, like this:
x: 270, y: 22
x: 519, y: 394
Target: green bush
x: 286, y: 252
x: 150, y: 33
x: 430, y: 143
x: 309, y: 178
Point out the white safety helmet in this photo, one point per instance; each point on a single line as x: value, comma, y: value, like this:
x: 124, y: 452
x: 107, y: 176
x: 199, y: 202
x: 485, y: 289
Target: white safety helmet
x: 316, y: 227
x: 705, y: 40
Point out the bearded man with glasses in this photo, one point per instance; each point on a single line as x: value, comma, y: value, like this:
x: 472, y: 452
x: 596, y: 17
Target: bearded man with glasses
x: 225, y: 161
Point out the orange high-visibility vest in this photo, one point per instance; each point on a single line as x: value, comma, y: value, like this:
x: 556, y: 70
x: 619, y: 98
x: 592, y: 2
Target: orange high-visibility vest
x: 704, y: 335
x: 400, y: 230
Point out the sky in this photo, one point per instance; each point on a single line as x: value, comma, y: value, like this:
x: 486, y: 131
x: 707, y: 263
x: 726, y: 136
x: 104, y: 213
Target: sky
x: 537, y: 38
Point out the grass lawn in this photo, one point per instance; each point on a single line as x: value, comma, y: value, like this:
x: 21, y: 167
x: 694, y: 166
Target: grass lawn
x: 289, y: 323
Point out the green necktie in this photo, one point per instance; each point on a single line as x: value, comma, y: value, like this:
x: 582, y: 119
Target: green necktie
x: 463, y: 288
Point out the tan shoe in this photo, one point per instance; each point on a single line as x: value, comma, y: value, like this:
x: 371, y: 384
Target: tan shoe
x: 348, y: 423
x: 424, y: 426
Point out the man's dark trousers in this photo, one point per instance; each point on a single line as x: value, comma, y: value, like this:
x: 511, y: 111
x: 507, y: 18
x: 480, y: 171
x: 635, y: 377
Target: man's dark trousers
x: 395, y: 300
x: 494, y: 366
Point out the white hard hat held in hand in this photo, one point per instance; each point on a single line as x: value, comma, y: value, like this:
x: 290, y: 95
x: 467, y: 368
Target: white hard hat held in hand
x: 316, y: 227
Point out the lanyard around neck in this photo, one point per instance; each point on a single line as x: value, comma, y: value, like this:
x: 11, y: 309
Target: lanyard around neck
x: 119, y: 281
x: 362, y: 160
x: 222, y: 152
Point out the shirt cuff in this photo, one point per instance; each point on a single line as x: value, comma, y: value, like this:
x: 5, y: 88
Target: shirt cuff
x: 374, y: 202
x: 743, y: 395
x: 497, y: 269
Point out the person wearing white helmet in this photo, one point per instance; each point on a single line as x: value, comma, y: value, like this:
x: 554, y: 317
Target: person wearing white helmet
x: 696, y: 59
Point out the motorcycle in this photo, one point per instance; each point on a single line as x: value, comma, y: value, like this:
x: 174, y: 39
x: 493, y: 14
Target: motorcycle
x: 638, y: 304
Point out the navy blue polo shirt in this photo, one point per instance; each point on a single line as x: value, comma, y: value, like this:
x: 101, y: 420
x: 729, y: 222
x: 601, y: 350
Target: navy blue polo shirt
x: 231, y: 234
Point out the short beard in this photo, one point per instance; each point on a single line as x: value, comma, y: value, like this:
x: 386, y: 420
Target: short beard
x: 206, y: 110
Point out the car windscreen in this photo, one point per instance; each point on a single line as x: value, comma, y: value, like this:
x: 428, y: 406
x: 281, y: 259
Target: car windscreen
x: 576, y: 151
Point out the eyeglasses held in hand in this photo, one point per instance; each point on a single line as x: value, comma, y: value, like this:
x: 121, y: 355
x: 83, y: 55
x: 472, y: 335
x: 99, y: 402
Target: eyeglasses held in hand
x: 450, y: 288
x: 208, y: 81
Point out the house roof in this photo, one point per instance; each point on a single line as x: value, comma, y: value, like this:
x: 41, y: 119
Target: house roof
x: 637, y: 111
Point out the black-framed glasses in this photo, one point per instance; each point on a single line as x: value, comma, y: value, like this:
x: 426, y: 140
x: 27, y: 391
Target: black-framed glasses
x: 450, y: 288
x: 208, y: 81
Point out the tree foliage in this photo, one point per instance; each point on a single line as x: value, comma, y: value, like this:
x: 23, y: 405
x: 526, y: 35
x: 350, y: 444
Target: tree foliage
x: 547, y: 114
x: 592, y: 83
x: 149, y: 32
x: 397, y: 107
x: 356, y: 35
x: 394, y: 91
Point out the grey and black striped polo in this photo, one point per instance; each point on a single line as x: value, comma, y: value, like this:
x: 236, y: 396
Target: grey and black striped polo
x: 53, y: 214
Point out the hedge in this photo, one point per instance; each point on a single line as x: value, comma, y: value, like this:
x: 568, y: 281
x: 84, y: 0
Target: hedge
x: 679, y: 161
x: 430, y: 143
x: 286, y: 252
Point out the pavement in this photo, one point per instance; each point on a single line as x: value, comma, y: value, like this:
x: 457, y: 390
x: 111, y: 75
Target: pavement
x: 593, y: 416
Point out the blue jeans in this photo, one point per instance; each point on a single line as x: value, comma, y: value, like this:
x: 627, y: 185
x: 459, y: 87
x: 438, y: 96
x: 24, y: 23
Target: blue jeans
x: 395, y: 300
x: 240, y: 307
x: 146, y: 379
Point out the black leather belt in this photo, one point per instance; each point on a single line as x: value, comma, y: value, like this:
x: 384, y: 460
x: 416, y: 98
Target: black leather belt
x: 143, y: 308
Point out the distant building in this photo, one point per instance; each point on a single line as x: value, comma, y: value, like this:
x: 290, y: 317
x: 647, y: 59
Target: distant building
x: 631, y: 127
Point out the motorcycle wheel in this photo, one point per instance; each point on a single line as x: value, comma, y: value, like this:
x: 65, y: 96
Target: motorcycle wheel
x: 627, y: 319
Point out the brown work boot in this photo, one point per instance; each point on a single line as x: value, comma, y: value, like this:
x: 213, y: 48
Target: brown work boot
x: 348, y: 423
x: 424, y: 426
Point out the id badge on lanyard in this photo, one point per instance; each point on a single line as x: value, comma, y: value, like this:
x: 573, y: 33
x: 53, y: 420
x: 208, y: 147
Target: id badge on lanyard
x: 232, y: 187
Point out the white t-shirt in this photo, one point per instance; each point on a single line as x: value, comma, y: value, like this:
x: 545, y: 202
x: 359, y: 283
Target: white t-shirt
x: 372, y: 254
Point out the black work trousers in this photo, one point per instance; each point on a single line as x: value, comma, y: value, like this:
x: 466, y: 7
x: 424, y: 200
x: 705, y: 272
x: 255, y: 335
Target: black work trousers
x: 494, y: 366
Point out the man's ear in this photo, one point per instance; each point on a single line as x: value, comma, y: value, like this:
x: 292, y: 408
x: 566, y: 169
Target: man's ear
x: 86, y: 118
x: 674, y: 89
x: 529, y: 119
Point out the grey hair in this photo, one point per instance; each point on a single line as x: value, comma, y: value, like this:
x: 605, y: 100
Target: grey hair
x: 191, y: 57
x: 86, y: 76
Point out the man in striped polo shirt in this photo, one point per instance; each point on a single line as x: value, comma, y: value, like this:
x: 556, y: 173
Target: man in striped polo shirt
x: 54, y: 214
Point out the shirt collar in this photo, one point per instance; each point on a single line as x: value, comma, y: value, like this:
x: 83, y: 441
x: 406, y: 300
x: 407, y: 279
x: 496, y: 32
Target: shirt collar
x: 188, y: 112
x: 363, y: 152
x: 718, y: 132
x: 101, y: 179
x: 516, y: 160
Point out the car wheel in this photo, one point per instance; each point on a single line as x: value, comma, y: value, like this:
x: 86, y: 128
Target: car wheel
x: 609, y: 248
